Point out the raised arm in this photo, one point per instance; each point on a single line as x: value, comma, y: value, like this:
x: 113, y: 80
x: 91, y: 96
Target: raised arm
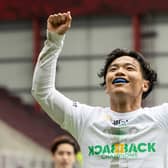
x: 43, y: 86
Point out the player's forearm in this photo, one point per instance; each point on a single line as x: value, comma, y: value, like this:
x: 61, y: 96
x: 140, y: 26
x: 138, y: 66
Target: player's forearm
x: 43, y: 87
x: 45, y: 70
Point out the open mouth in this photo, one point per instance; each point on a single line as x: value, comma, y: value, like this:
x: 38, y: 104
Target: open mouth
x: 119, y: 80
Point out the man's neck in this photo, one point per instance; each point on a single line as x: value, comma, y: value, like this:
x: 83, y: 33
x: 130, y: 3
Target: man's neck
x: 124, y: 104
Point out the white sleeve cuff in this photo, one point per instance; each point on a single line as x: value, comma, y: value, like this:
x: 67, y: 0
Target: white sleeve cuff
x: 55, y: 37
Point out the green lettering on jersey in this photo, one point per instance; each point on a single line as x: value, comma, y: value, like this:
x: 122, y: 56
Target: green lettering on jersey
x: 91, y: 150
x: 106, y: 149
x: 151, y: 147
x: 132, y: 148
x: 98, y: 149
x: 142, y: 147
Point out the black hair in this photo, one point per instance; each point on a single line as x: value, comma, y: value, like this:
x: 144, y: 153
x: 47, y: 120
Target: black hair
x: 64, y: 139
x: 147, y: 72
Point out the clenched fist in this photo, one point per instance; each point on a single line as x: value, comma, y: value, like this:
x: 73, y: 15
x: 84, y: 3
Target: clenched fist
x: 59, y: 23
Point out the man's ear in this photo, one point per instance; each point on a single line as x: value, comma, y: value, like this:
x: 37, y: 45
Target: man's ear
x: 145, y: 85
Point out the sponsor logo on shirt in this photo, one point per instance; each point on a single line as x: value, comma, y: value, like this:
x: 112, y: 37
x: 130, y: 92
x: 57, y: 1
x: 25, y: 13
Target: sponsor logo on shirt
x: 121, y: 150
x: 116, y: 122
x: 120, y: 122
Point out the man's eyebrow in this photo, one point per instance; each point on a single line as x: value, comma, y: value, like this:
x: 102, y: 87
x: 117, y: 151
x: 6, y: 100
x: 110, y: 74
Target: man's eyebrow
x: 111, y: 65
x: 130, y: 64
x: 125, y: 64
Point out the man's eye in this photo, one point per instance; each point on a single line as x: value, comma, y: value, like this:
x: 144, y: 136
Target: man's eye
x: 69, y: 153
x: 130, y: 68
x: 112, y: 69
x: 61, y: 153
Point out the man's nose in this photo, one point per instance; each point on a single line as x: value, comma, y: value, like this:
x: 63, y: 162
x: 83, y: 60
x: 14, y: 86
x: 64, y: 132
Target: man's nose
x: 65, y: 156
x: 120, y: 72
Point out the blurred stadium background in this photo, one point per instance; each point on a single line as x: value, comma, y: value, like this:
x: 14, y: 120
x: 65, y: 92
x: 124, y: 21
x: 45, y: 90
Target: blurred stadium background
x: 98, y: 27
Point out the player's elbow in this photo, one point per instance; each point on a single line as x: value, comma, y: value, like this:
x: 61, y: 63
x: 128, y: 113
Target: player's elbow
x: 40, y: 95
x: 36, y: 95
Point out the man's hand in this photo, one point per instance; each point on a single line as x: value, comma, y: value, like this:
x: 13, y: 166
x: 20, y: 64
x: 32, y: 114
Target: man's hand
x: 59, y: 23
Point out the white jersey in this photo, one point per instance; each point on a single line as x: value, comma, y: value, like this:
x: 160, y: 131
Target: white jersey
x: 108, y: 139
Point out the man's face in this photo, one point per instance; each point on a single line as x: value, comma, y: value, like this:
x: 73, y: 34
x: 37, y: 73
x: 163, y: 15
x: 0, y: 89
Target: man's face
x: 64, y: 156
x: 124, y: 77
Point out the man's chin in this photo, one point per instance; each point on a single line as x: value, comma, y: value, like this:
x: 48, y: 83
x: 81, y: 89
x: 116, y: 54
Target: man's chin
x: 121, y: 93
x: 65, y: 165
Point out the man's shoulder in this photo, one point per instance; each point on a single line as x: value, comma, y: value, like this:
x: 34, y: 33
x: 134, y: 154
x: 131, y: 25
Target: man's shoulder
x: 157, y: 107
x: 89, y: 108
x: 161, y: 109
